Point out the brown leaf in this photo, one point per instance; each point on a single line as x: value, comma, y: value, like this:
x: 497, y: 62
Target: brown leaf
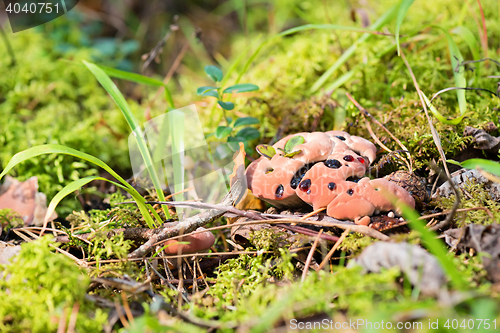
x: 24, y: 198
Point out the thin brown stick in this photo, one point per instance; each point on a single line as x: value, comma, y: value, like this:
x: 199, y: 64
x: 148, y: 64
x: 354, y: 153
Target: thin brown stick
x: 130, y: 317
x: 448, y: 218
x: 356, y: 228
x: 334, y: 248
x: 61, y: 327
x: 73, y: 317
x: 313, y: 213
x: 123, y: 320
x: 189, y: 224
x: 375, y: 120
x: 309, y: 257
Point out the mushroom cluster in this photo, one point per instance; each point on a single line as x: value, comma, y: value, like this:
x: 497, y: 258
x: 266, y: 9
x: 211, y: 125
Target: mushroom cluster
x: 324, y: 170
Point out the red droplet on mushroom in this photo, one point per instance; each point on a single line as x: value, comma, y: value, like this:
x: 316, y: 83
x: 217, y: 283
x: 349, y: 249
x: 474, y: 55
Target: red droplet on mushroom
x: 361, y: 159
x: 305, y: 185
x: 348, y: 158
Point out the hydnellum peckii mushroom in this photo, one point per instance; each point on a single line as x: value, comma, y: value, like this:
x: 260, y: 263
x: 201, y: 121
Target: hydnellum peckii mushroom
x: 324, y: 170
x: 194, y: 243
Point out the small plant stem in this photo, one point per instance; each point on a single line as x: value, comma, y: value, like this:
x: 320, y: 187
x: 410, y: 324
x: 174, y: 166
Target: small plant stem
x: 309, y: 256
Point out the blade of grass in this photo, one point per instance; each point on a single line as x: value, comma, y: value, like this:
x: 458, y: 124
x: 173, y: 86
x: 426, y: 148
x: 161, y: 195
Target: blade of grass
x: 403, y: 9
x: 384, y: 19
x: 457, y: 58
x: 176, y: 122
x: 435, y: 247
x: 117, y: 96
x: 439, y: 116
x: 137, y: 78
x: 58, y: 149
x: 469, y: 38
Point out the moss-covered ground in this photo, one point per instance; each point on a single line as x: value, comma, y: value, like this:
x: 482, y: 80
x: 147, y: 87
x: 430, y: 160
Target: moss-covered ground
x: 48, y: 96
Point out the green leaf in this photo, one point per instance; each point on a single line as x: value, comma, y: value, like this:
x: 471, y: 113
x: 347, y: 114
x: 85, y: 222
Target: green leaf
x: 470, y: 39
x: 222, y: 131
x: 59, y: 149
x: 226, y: 105
x: 266, y: 150
x: 246, y: 121
x: 384, y: 19
x: 117, y: 96
x: 293, y: 153
x: 210, y: 93
x: 439, y: 116
x: 403, y: 8
x: 248, y: 134
x: 242, y: 87
x: 204, y: 89
x: 479, y: 163
x: 456, y: 58
x: 292, y: 142
x: 137, y: 78
x: 214, y: 73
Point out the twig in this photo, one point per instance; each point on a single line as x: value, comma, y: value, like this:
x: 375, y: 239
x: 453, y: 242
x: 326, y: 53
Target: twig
x: 334, y: 248
x: 309, y: 257
x: 130, y: 317
x: 159, y: 46
x: 190, y: 224
x: 490, y: 214
x: 119, y: 311
x: 353, y: 227
x: 366, y: 113
x: 434, y: 133
x: 448, y: 218
x: 73, y: 317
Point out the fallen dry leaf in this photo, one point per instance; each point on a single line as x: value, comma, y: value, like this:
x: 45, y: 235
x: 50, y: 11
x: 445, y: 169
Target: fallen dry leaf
x: 422, y: 269
x: 24, y: 198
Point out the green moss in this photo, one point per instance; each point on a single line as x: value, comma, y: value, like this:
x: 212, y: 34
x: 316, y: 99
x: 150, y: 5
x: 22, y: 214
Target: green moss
x: 473, y: 196
x: 40, y: 286
x: 44, y: 99
x: 10, y: 219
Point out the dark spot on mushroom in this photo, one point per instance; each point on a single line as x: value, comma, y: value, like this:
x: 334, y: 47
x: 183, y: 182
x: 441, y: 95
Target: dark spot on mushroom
x: 350, y: 191
x: 331, y: 186
x: 340, y: 137
x: 348, y: 158
x: 305, y: 185
x: 279, y: 191
x: 297, y: 178
x: 269, y: 170
x: 353, y: 179
x: 333, y: 164
x: 361, y: 159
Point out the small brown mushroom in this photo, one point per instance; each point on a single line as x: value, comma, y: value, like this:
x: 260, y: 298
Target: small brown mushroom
x: 197, y: 243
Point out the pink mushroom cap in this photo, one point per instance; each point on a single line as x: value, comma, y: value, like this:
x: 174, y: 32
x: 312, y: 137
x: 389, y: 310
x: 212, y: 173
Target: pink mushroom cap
x: 197, y: 243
